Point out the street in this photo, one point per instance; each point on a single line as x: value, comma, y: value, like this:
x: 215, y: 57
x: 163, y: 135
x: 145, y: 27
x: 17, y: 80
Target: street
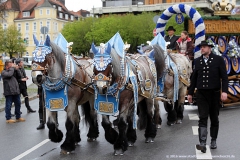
x: 22, y: 140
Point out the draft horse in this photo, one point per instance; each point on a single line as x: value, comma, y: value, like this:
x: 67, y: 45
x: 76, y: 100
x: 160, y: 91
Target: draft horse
x: 66, y: 85
x: 173, y: 107
x: 113, y: 76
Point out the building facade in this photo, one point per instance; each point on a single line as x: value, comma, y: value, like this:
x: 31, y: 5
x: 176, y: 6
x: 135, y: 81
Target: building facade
x: 139, y: 6
x: 29, y: 16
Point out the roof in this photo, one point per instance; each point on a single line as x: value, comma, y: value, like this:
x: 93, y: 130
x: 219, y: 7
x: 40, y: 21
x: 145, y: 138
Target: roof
x: 45, y: 4
x: 10, y: 5
x: 30, y: 5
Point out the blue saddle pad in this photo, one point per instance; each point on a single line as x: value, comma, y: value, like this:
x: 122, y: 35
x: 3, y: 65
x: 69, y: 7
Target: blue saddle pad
x: 106, y: 104
x: 56, y: 100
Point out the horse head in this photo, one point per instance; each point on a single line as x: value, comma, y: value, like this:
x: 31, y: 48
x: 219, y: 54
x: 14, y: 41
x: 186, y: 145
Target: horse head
x: 44, y: 59
x: 102, y: 62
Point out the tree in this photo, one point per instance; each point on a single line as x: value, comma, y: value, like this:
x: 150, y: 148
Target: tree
x: 12, y: 42
x: 1, y: 39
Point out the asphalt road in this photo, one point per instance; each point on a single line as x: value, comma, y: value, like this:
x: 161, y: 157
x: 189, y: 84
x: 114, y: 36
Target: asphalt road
x: 22, y: 140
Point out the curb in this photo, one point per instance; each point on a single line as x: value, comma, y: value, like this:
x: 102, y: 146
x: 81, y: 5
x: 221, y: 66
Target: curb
x: 2, y: 108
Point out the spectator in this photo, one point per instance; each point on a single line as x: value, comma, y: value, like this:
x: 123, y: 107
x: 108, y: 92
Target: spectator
x: 11, y: 92
x: 185, y: 45
x: 210, y: 78
x: 171, y: 38
x: 23, y: 85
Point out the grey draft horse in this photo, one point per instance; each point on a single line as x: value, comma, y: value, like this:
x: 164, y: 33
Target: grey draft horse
x: 74, y: 78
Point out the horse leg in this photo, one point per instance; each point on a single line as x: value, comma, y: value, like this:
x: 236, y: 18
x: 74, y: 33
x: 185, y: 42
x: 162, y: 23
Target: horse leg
x: 172, y: 115
x: 54, y: 134
x: 151, y: 130
x: 110, y: 133
x: 91, y: 119
x: 157, y: 117
x: 181, y: 100
x: 121, y: 144
x: 131, y: 133
x: 71, y: 124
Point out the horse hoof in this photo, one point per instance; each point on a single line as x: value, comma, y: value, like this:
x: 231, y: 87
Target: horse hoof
x: 149, y: 140
x: 64, y: 152
x: 91, y: 139
x: 170, y: 123
x: 130, y: 144
x: 159, y: 126
x: 118, y: 152
x: 179, y: 121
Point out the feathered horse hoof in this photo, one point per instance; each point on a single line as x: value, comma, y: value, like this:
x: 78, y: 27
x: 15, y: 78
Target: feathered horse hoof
x: 130, y: 144
x: 149, y: 140
x: 158, y: 126
x: 64, y: 152
x: 118, y: 152
x: 91, y: 139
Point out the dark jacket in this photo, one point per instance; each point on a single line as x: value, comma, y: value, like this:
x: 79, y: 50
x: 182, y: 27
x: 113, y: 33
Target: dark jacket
x: 172, y: 41
x: 210, y: 75
x: 190, y: 48
x: 22, y: 84
x: 10, y: 84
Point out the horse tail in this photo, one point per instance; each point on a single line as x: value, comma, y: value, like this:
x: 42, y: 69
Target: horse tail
x: 159, y: 60
x: 86, y: 109
x: 142, y: 115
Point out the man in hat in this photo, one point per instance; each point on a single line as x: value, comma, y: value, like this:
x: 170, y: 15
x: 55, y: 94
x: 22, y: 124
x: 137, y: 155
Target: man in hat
x: 23, y: 85
x: 211, y: 80
x: 171, y: 38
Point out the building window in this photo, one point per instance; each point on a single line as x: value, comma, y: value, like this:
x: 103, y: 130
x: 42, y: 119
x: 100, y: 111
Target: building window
x: 56, y: 26
x: 34, y: 26
x: 66, y: 16
x: 41, y: 24
x: 40, y: 12
x: 27, y: 27
x: 72, y: 18
x: 26, y: 14
x: 48, y: 25
x: 19, y: 27
x: 60, y: 15
x: 60, y: 8
x: 48, y: 12
x: 54, y: 6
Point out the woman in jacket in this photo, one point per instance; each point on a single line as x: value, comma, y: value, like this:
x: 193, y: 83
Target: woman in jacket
x: 185, y: 45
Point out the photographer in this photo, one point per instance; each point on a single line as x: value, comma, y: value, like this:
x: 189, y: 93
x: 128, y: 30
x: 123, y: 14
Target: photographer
x: 11, y: 91
x: 23, y: 85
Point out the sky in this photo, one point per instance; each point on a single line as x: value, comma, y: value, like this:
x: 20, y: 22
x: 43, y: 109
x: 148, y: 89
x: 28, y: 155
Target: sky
x: 76, y: 5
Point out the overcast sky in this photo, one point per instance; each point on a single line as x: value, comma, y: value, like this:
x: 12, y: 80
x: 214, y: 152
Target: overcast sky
x: 76, y: 5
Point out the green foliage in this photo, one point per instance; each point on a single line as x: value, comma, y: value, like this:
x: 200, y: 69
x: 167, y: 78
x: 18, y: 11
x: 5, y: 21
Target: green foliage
x: 11, y: 42
x: 134, y: 29
x: 1, y: 39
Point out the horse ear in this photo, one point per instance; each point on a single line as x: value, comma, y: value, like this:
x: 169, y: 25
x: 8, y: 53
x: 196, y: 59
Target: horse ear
x: 108, y: 50
x: 47, y: 41
x: 35, y: 40
x: 94, y: 49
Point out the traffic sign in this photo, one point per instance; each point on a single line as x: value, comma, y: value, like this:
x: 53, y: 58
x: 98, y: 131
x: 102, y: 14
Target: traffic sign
x: 44, y: 30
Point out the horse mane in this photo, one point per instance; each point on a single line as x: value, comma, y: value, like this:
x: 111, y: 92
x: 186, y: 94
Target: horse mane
x: 115, y: 63
x: 59, y: 55
x: 159, y: 60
